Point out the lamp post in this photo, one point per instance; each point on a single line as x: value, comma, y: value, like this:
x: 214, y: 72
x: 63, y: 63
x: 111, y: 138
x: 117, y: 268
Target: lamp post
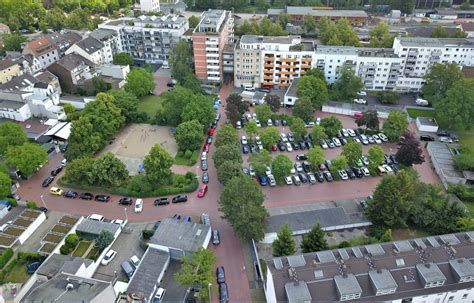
x: 209, y: 288
x: 42, y: 200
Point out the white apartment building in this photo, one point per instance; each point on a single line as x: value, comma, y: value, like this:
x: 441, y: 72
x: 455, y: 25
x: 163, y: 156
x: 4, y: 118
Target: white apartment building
x: 148, y: 39
x: 149, y: 6
x: 93, y: 50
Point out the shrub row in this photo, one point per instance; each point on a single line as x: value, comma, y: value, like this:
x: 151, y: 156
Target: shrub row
x: 5, y: 257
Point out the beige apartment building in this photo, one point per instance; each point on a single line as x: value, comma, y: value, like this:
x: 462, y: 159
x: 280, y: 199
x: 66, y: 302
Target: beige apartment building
x: 8, y: 70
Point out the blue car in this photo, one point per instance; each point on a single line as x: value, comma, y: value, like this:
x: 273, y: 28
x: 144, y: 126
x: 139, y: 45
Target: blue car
x: 262, y: 180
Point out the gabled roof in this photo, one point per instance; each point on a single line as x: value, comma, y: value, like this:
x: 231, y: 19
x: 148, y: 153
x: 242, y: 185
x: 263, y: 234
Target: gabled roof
x: 468, y: 27
x: 19, y: 83
x: 72, y: 61
x: 6, y: 63
x: 90, y: 45
x: 41, y: 46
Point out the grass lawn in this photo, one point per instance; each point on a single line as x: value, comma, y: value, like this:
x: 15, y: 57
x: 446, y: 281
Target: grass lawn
x: 466, y: 138
x: 407, y: 233
x: 93, y: 254
x: 414, y: 113
x: 149, y: 105
x: 53, y: 238
x: 68, y: 220
x: 181, y: 160
x: 60, y: 229
x: 18, y: 274
x: 81, y: 248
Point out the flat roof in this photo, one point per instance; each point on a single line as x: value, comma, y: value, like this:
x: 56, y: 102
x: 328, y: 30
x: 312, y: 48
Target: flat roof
x: 291, y: 92
x: 430, y: 272
x: 427, y: 121
x: 382, y: 279
x: 462, y: 267
x: 297, y: 292
x: 308, y: 10
x: 57, y: 263
x: 347, y: 284
x: 436, y: 42
x: 94, y: 227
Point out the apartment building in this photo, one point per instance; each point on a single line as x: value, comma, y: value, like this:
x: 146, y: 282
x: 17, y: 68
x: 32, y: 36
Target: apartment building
x: 148, y: 39
x: 93, y: 50
x: 8, y: 70
x: 149, y: 6
x: 44, y: 50
x: 432, y: 269
x: 214, y: 31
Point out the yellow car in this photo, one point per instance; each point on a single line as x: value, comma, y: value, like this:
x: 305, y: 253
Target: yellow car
x: 56, y: 191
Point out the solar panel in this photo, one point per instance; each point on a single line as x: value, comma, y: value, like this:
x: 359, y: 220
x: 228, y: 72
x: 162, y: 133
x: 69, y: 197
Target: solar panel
x: 296, y: 261
x: 375, y: 249
x: 403, y: 246
x: 433, y: 242
x: 420, y: 243
x: 278, y: 264
x: 450, y: 239
x: 343, y: 253
x: 326, y: 256
x: 357, y: 252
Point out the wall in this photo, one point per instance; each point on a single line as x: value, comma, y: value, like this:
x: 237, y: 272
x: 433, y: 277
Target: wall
x: 426, y: 128
x: 21, y: 114
x: 349, y: 109
x: 270, y: 289
x: 33, y: 226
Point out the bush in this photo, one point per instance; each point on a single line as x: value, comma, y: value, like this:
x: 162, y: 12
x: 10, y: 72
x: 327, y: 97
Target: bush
x: 72, y: 240
x: 462, y: 191
x: 139, y: 184
x: 5, y: 257
x: 180, y: 181
x: 388, y: 97
x: 180, y: 153
x: 26, y: 257
x: 65, y: 250
x: 189, y: 175
x: 147, y: 233
x: 31, y: 204
x: 14, y: 202
x: 188, y: 154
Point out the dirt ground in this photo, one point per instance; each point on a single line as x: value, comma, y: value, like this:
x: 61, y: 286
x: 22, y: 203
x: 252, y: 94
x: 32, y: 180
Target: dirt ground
x: 135, y: 141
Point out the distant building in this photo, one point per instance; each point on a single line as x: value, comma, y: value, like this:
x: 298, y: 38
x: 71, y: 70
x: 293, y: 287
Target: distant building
x: 297, y: 14
x: 214, y: 31
x: 175, y: 7
x: 468, y: 28
x: 64, y: 40
x: 150, y: 6
x: 44, y: 50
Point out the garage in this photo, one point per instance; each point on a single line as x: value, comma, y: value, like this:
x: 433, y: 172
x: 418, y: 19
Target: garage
x: 425, y: 124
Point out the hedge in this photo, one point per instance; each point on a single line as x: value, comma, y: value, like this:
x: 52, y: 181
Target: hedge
x: 25, y: 257
x: 5, y: 257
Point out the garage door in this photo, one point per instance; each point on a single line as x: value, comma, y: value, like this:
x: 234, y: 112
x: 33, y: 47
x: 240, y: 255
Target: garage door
x: 176, y: 254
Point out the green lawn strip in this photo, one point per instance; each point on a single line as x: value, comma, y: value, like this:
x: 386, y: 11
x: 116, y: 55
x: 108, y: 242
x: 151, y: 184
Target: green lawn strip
x: 182, y: 160
x: 81, y: 249
x: 93, y: 254
x: 414, y: 113
x: 149, y: 105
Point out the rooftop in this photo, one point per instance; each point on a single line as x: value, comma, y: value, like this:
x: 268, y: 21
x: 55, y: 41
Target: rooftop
x: 187, y: 236
x: 427, y: 31
x: 377, y: 52
x: 427, y: 121
x: 102, y: 34
x: 291, y: 92
x: 95, y: 227
x: 250, y: 39
x: 297, y: 292
x: 308, y: 10
x: 342, y: 50
x: 468, y: 26
x: 65, y: 40
x: 57, y: 263
x: 366, y: 269
x: 72, y: 61
x: 40, y: 46
x: 19, y: 83
x: 6, y: 63
x: 436, y: 42
x: 90, y: 45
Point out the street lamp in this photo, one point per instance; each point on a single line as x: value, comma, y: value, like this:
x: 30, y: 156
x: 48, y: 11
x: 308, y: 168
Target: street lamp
x: 42, y: 200
x: 209, y: 288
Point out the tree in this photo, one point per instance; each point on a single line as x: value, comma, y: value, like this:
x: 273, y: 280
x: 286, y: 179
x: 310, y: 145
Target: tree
x: 227, y: 170
x: 298, y: 128
x: 313, y: 88
x: 317, y: 73
x: 274, y: 102
x: 245, y: 213
x: 303, y: 109
x: 409, y: 151
x: 441, y: 77
x: 375, y: 156
x: 122, y: 59
x: 69, y: 109
x: 104, y: 115
x: 235, y: 108
x: 5, y: 184
x: 99, y: 85
x: 439, y: 32
x: 180, y: 60
x: 84, y: 140
x: 369, y: 119
x: 395, y: 125
x: 251, y: 128
x: 260, y: 162
x: 79, y: 171
x: 269, y: 137
x: 189, y: 135
x: 104, y: 239
x: 346, y: 33
x: 309, y: 24
x: 197, y: 272
x: 380, y: 36
x: 13, y: 42
x: 126, y: 102
x: 347, y: 85
x: 284, y: 245
x: 173, y: 105
x: 199, y: 108
x: 352, y: 151
x: 263, y: 112
x: 140, y: 82
x: 11, y: 134
x: 339, y: 163
x: 226, y: 135
x: 331, y: 125
x: 109, y: 170
x: 26, y: 158
x: 315, y: 157
x: 457, y: 108
x: 314, y: 240
x: 318, y: 134
x: 283, y: 19
x: 191, y: 82
x: 193, y: 21
x: 227, y: 153
x: 281, y: 167
x: 158, y: 164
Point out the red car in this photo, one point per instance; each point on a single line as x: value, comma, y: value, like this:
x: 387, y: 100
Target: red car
x: 274, y: 148
x: 211, y: 132
x: 206, y: 147
x: 202, y: 191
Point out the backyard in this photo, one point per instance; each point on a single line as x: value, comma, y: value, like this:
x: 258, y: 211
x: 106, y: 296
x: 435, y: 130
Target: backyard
x: 18, y: 274
x: 149, y: 105
x: 81, y: 249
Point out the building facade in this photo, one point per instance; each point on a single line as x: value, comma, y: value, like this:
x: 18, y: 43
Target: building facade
x: 214, y: 31
x: 8, y: 70
x: 44, y: 50
x: 149, y: 6
x: 297, y: 14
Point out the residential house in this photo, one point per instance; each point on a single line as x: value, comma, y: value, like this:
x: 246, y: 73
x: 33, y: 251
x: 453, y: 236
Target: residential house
x: 93, y: 50
x: 111, y: 40
x: 116, y: 75
x: 64, y: 40
x: 8, y: 70
x: 44, y: 50
x: 71, y: 70
x: 468, y: 28
x: 22, y: 83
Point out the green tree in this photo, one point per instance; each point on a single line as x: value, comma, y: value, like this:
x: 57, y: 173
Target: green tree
x: 283, y: 19
x: 251, y: 128
x: 316, y: 72
x: 331, y: 125
x: 457, y: 108
x: 314, y: 240
x: 198, y: 271
x: 245, y: 213
x: 274, y: 102
x: 309, y: 24
x: 193, y: 21
x: 260, y: 161
x: 200, y: 109
x: 388, y: 97
x: 380, y: 36
x: 5, y: 184
x: 158, y: 164
x: 409, y: 151
x: 11, y: 134
x: 226, y: 135
x: 303, y: 109
x: 339, y: 163
x: 69, y: 109
x: 109, y: 170
x: 439, y: 32
x: 235, y: 108
x: 104, y: 239
x: 441, y: 77
x: 346, y: 33
x: 375, y: 156
x: 281, y: 167
x: 122, y: 59
x: 284, y: 244
x: 227, y: 153
x: 298, y: 128
x: 313, y: 88
x: 104, y: 115
x: 228, y: 170
x: 84, y: 140
x: 347, y: 85
x: 26, y: 158
x: 315, y: 157
x: 395, y: 125
x: 173, y: 105
x: 318, y: 134
x: 369, y: 119
x: 126, y: 102
x: 263, y: 112
x: 191, y: 82
x: 140, y: 82
x: 180, y: 60
x: 269, y: 137
x: 55, y: 18
x: 79, y: 171
x: 13, y: 42
x: 189, y: 135
x: 99, y: 85
x: 352, y: 151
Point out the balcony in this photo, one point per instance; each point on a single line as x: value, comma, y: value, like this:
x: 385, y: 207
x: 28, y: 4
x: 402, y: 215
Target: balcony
x: 306, y: 59
x: 305, y: 66
x: 286, y: 73
x: 285, y: 79
x: 287, y: 66
x: 287, y: 60
x: 268, y: 71
x: 283, y: 84
x: 268, y: 77
x: 269, y: 59
x: 268, y: 83
x: 269, y: 65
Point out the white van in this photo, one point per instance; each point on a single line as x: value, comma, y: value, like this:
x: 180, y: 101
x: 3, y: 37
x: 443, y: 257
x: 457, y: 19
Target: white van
x: 138, y: 205
x: 422, y: 102
x: 96, y: 217
x: 249, y: 88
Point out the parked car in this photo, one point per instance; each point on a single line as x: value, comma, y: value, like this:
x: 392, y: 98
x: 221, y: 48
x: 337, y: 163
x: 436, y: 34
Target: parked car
x: 63, y: 148
x: 269, y: 122
x: 220, y: 274
x: 271, y: 181
x: 306, y: 167
x: 102, y: 198
x: 303, y: 177
x: 365, y: 171
x: 350, y: 173
x: 56, y: 171
x: 288, y: 180
x: 263, y: 180
x: 204, y: 165
x: 205, y: 177
x: 358, y: 172
x: 160, y: 294
x: 298, y: 167
x: 383, y: 137
x: 47, y: 181
x: 319, y: 176
x: 421, y: 102
x: 216, y: 240
x: 223, y: 293
x: 360, y: 101
x: 32, y: 267
x: 282, y: 146
x: 202, y: 191
x: 128, y: 269
x: 109, y: 256
x: 56, y: 191
x: 343, y: 174
x: 426, y: 138
x: 161, y: 201
x: 244, y: 140
x: 377, y: 139
x: 445, y: 139
x: 311, y: 178
x: 330, y: 143
x: 180, y: 199
x: 138, y: 205
x: 296, y: 180
x: 70, y: 194
x: 126, y: 201
x: 289, y: 147
x: 328, y: 176
x: 324, y: 145
x: 86, y: 196
x: 134, y: 260
x: 301, y: 157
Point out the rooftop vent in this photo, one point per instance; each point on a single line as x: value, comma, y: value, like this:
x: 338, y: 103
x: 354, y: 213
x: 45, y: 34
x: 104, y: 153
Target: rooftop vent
x: 69, y: 286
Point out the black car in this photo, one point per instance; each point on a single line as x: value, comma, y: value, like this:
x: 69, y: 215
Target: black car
x: 245, y: 149
x: 223, y: 294
x: 358, y: 172
x: 357, y: 132
x: 301, y: 157
x: 204, y: 165
x: 350, y: 173
x: 43, y: 209
x: 220, y: 274
x: 48, y: 181
x: 70, y: 194
x: 126, y: 201
x: 63, y: 148
x: 442, y: 133
x: 32, y: 267
x: 303, y: 178
x: 284, y: 122
x: 309, y: 144
x: 306, y: 167
x: 180, y: 199
x: 209, y: 140
x: 205, y: 177
x: 426, y: 138
x: 276, y: 122
x: 87, y: 196
x: 328, y: 176
x: 214, y: 124
x: 394, y: 159
x: 302, y: 145
x: 161, y: 201
x: 56, y: 171
x: 319, y: 177
x: 295, y: 145
x: 102, y: 198
x: 253, y: 148
x: 343, y: 141
x: 282, y: 146
x: 216, y: 239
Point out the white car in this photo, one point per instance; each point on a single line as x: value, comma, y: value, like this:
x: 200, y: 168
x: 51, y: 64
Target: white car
x: 383, y: 137
x: 318, y: 120
x: 324, y: 145
x: 204, y: 156
x: 258, y: 141
x: 252, y: 172
x: 258, y: 123
x: 421, y: 102
x: 138, y: 205
x: 244, y: 140
x: 365, y: 171
x: 135, y: 261
x: 238, y: 125
x: 289, y: 147
x: 377, y: 139
x: 283, y: 137
x: 288, y: 180
x: 292, y: 171
x: 357, y: 140
x: 109, y: 256
x: 268, y: 171
x: 160, y: 293
x: 364, y: 139
x: 337, y: 142
x: 298, y: 167
x: 365, y: 161
x: 269, y: 122
x: 344, y: 132
x: 445, y: 139
x: 119, y: 222
x: 271, y: 181
x: 310, y: 124
x: 248, y: 116
x: 342, y: 173
x: 360, y: 101
x: 254, y: 116
x: 351, y: 132
x: 388, y: 169
x: 63, y: 162
x: 362, y: 94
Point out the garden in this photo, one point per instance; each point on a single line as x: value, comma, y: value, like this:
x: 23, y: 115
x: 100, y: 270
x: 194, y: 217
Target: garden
x: 77, y: 246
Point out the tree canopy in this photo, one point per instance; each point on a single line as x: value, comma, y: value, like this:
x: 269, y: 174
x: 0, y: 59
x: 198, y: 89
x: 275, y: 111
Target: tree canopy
x: 380, y: 36
x: 313, y: 88
x: 227, y: 153
x: 235, y: 108
x: 369, y: 119
x: 265, y: 28
x: 456, y: 110
x: 303, y: 109
x: 273, y: 101
x: 409, y: 151
x: 318, y: 134
x: 352, y: 151
x: 260, y: 161
x: 263, y: 112
x: 158, y: 164
x: 315, y: 157
x: 395, y: 125
x: 123, y: 59
x: 339, y: 33
x: 269, y: 137
x: 347, y: 85
x: 440, y: 78
x: 11, y: 134
x: 109, y: 170
x: 228, y: 170
x: 298, y: 128
x: 331, y: 125
x: 284, y: 244
x: 314, y: 240
x: 140, y: 82
x: 281, y: 167
x: 226, y: 135
x: 26, y: 157
x: 189, y: 135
